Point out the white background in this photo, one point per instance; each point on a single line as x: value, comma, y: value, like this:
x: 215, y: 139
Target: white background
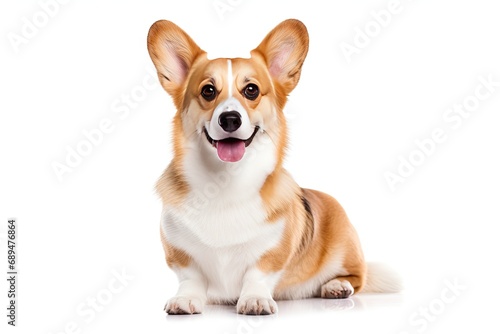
x: 350, y: 121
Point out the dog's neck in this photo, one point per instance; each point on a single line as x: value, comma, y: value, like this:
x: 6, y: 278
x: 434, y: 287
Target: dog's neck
x: 225, y: 180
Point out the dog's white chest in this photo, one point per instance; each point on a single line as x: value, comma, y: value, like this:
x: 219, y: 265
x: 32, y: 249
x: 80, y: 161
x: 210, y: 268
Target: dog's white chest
x: 217, y: 223
x: 223, y: 239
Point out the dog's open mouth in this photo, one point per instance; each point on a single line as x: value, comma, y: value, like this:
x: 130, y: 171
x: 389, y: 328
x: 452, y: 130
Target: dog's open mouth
x: 231, y: 149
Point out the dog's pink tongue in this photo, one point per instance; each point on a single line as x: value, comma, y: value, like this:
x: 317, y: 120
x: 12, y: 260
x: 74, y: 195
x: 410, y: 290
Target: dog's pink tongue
x: 230, y: 150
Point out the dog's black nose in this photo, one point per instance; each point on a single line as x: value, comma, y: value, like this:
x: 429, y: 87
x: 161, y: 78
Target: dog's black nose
x: 230, y: 121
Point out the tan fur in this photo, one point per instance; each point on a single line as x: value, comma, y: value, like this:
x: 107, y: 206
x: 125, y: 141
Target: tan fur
x: 309, y: 242
x: 333, y: 233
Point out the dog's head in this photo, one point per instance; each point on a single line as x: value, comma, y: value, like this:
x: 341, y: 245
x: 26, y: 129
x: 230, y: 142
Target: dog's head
x: 224, y: 106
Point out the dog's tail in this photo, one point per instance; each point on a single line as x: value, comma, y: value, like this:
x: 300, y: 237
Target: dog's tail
x: 381, y: 278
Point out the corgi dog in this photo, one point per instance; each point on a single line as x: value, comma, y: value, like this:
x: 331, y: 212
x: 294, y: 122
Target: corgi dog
x: 235, y: 227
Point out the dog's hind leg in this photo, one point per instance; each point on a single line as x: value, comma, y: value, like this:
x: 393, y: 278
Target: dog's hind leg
x: 341, y: 287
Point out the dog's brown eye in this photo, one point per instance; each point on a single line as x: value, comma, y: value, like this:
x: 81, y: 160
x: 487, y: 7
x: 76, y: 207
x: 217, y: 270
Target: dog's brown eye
x: 208, y: 92
x: 251, y: 91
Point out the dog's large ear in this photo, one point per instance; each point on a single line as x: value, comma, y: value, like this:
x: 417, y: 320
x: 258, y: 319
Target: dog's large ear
x: 284, y: 50
x: 173, y: 53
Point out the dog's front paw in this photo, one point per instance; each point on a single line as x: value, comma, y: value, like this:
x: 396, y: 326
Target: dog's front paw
x: 256, y: 306
x: 184, y: 305
x: 336, y: 289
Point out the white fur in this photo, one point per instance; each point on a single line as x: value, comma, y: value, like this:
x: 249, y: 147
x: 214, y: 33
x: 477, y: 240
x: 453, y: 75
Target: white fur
x: 381, y: 278
x: 230, y: 77
x: 222, y: 249
x: 231, y: 104
x: 191, y: 295
x: 227, y: 183
x: 337, y: 286
x: 256, y: 294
